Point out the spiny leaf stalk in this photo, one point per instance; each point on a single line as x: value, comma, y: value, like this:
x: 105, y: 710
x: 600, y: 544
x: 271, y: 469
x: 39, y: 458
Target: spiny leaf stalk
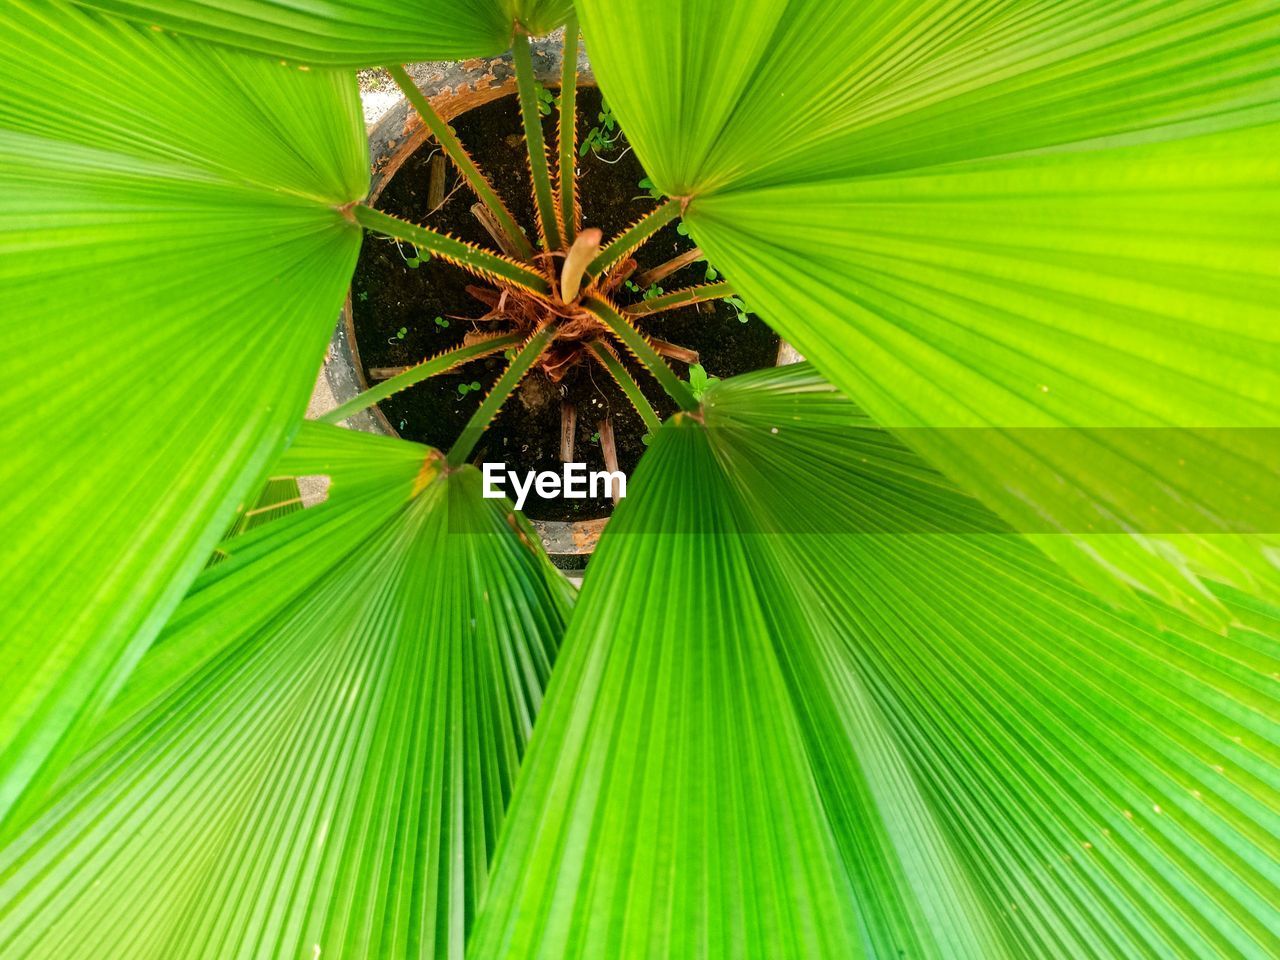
x: 539, y: 168
x: 441, y: 363
x: 482, y: 263
x: 609, y: 359
x: 638, y: 344
x: 566, y: 170
x: 454, y: 149
x: 680, y: 298
x: 636, y: 234
x: 488, y: 409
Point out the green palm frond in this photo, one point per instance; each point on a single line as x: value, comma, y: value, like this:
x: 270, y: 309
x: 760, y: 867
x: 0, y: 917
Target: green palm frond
x: 315, y: 756
x: 350, y: 33
x: 997, y: 215
x: 959, y: 643
x: 794, y: 738
x: 172, y: 260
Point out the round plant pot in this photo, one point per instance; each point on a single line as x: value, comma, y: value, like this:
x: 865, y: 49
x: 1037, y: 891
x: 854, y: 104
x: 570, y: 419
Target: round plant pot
x: 453, y: 89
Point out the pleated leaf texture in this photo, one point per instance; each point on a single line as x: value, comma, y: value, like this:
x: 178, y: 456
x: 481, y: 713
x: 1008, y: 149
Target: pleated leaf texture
x: 1000, y: 215
x: 352, y: 33
x: 172, y: 260
x: 768, y: 733
x: 789, y: 741
x: 315, y: 756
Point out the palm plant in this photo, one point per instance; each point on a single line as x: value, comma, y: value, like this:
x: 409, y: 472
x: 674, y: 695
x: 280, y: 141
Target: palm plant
x: 957, y: 641
x: 552, y: 308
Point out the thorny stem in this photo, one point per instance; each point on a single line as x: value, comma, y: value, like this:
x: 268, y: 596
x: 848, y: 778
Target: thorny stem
x: 427, y: 368
x: 606, y: 356
x: 480, y: 262
x: 539, y: 170
x: 635, y: 341
x: 567, y: 135
x: 680, y: 298
x: 524, y: 360
x: 634, y: 235
x: 453, y: 147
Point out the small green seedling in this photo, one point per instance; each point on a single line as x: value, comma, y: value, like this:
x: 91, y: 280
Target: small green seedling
x: 602, y: 136
x: 647, y: 185
x: 631, y: 287
x: 465, y: 388
x: 442, y: 323
x: 362, y: 296
x: 415, y: 261
x: 399, y: 335
x: 546, y: 100
x: 595, y: 437
x: 739, y: 307
x: 653, y: 292
x: 682, y: 229
x: 593, y: 141
x: 699, y: 381
x: 712, y: 274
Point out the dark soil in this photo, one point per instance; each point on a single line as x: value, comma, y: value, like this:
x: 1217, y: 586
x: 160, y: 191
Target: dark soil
x: 387, y: 295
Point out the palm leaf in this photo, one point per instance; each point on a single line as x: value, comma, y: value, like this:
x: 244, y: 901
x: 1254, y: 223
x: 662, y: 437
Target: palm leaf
x: 315, y: 757
x: 277, y: 497
x: 351, y: 33
x: 172, y: 261
x: 840, y: 715
x: 1000, y: 215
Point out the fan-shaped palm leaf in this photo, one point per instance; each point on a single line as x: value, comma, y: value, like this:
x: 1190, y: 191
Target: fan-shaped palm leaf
x: 920, y: 739
x: 172, y: 261
x: 358, y: 33
x: 314, y: 758
x: 999, y: 215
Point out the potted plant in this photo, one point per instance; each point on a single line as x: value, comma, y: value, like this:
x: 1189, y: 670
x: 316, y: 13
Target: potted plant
x: 958, y: 640
x: 584, y: 400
